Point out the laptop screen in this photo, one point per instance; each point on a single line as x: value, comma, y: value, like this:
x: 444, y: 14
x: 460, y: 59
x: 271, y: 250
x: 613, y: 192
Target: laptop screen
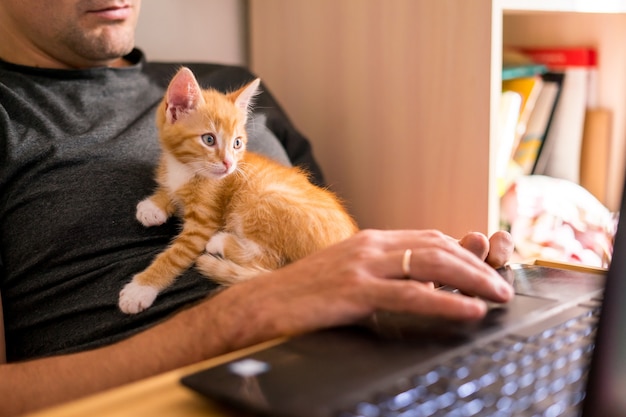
x: 606, y: 391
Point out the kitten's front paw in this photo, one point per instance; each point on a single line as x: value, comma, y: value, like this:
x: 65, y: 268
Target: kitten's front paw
x: 149, y: 214
x: 135, y: 298
x: 215, y: 245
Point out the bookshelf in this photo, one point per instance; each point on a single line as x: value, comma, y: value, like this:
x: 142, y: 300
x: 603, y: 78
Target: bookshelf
x: 400, y: 97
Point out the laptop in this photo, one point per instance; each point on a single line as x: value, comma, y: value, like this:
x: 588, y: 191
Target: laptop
x: 558, y: 348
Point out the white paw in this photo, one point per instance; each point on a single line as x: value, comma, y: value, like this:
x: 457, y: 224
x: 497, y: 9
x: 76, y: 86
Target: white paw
x: 215, y: 245
x: 149, y: 214
x: 135, y: 298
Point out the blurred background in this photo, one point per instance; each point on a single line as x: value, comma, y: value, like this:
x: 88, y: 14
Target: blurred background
x: 193, y: 30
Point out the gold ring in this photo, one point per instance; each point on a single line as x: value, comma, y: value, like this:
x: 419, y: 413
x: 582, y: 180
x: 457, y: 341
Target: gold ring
x: 406, y: 263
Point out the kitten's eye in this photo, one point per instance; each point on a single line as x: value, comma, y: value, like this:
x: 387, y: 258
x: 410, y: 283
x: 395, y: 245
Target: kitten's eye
x: 238, y: 143
x: 208, y: 139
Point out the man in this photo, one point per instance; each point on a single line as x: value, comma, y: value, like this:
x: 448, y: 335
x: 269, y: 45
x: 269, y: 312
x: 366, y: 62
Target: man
x: 77, y: 152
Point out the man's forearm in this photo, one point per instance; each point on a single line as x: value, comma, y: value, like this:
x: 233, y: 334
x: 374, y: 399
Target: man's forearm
x: 230, y: 320
x: 186, y: 338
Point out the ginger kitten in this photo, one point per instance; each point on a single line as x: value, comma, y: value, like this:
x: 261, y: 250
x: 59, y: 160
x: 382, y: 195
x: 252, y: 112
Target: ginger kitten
x: 249, y: 213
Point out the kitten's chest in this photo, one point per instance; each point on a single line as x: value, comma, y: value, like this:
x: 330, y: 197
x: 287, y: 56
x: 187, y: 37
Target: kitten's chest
x: 174, y: 175
x: 187, y: 190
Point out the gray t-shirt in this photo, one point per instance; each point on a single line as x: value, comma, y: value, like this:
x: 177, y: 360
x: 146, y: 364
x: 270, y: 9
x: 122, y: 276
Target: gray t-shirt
x: 78, y: 149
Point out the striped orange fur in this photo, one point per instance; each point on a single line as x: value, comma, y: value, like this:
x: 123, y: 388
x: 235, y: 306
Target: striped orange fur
x: 242, y: 212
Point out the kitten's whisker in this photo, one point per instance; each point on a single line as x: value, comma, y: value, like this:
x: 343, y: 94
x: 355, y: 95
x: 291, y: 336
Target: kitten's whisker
x: 241, y: 173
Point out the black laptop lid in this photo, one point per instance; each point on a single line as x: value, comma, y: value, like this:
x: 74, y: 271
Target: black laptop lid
x: 606, y: 388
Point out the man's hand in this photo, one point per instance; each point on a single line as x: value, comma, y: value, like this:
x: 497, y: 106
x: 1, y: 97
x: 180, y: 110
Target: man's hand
x: 355, y: 278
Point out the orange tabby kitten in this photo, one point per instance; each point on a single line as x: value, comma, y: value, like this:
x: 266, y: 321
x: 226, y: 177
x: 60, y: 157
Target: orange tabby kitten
x: 249, y: 213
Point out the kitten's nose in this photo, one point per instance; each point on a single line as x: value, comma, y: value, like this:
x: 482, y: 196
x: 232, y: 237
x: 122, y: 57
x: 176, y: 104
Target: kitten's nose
x: 227, y: 164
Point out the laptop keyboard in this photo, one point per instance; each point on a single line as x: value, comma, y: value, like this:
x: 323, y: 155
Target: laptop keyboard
x: 543, y: 374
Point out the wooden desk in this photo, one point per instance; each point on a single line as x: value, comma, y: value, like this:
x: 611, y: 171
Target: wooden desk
x: 161, y: 395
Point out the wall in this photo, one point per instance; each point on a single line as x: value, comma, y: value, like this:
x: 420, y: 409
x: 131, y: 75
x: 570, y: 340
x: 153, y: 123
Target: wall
x: 193, y: 30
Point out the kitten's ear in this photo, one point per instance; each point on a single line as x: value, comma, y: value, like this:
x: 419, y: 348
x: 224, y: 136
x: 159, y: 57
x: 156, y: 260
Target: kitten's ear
x: 183, y: 95
x: 244, y: 96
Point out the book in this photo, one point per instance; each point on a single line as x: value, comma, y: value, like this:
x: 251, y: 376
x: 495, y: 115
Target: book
x: 529, y: 89
x: 578, y: 65
x: 546, y: 145
x: 595, y: 153
x: 512, y: 71
x: 533, y: 142
x: 516, y: 64
x: 508, y: 115
x: 562, y: 58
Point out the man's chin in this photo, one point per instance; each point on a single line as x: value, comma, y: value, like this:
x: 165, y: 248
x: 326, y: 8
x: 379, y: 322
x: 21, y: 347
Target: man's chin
x: 107, y: 44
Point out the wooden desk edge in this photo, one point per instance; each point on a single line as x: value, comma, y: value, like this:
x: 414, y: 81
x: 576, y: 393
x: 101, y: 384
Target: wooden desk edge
x: 158, y: 395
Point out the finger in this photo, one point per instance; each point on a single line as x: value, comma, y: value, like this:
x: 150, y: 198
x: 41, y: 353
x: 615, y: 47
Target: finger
x: 430, y: 285
x: 476, y: 243
x: 500, y: 249
x: 403, y: 270
x: 413, y: 297
x: 456, y: 267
